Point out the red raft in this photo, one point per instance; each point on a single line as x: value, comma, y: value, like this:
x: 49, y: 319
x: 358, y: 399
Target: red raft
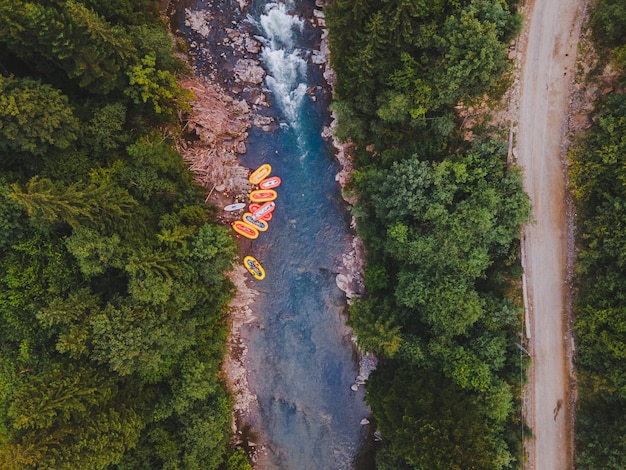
x: 271, y: 182
x: 263, y: 212
x: 255, y: 207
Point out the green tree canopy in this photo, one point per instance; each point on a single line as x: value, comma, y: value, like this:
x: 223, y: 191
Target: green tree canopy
x: 69, y: 37
x: 112, y: 286
x: 428, y: 423
x: 34, y: 117
x: 67, y: 417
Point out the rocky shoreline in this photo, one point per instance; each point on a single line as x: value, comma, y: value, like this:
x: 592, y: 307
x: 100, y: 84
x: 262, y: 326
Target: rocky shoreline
x: 229, y: 100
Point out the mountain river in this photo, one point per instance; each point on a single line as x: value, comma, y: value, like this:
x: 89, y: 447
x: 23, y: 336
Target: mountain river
x: 300, y: 359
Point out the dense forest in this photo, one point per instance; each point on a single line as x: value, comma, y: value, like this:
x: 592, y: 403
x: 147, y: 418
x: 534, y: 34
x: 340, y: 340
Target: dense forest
x: 440, y: 211
x: 597, y: 171
x: 112, y: 294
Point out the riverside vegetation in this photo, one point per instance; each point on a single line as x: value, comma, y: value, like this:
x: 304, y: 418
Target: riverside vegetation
x: 112, y: 293
x: 597, y: 176
x: 440, y: 215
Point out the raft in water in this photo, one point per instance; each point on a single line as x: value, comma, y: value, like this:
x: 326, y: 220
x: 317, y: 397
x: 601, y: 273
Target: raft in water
x: 270, y: 183
x: 254, y: 207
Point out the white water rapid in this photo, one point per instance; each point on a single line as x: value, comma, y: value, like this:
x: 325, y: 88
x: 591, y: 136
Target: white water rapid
x: 285, y: 63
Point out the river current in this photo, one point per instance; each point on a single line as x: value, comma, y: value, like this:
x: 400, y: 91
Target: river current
x: 301, y: 361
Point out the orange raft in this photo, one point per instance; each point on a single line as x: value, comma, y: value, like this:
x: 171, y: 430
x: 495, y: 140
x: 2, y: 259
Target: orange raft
x: 263, y: 195
x: 258, y: 224
x: 271, y: 182
x: 254, y: 267
x: 244, y: 229
x: 260, y: 173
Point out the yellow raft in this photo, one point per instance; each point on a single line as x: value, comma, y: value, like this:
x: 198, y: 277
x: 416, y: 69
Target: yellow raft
x: 244, y: 229
x: 263, y: 195
x: 260, y: 173
x: 254, y: 267
x: 258, y: 224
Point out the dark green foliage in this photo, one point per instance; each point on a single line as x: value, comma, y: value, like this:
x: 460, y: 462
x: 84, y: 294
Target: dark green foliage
x: 11, y: 213
x: 443, y: 225
x: 67, y: 37
x: 432, y: 424
x: 440, y: 218
x: 401, y: 63
x: 97, y: 202
x: 597, y: 175
x: 153, y: 169
x: 445, y: 236
x: 608, y: 24
x: 67, y: 417
x: 105, y: 132
x: 147, y: 84
x: 112, y: 292
x: 238, y: 461
x: 608, y: 21
x: 33, y: 118
x: 600, y: 430
x: 125, y: 12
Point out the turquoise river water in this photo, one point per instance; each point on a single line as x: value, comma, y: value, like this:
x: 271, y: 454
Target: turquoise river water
x: 301, y: 361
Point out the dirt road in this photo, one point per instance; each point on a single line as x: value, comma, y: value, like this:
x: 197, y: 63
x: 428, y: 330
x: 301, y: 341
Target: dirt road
x: 547, y: 73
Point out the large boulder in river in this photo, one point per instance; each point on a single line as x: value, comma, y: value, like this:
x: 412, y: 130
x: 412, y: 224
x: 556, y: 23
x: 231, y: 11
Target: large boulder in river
x: 198, y: 21
x: 249, y: 70
x: 343, y: 282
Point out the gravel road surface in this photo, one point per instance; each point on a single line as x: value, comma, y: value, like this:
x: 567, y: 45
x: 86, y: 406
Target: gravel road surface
x: 547, y: 72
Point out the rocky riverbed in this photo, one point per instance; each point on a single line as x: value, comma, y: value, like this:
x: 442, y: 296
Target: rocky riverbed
x: 230, y: 98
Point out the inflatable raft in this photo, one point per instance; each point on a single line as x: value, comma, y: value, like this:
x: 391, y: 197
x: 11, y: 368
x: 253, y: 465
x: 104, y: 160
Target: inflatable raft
x: 271, y: 182
x: 244, y: 229
x: 259, y: 224
x: 255, y: 207
x: 234, y: 207
x: 254, y: 267
x: 263, y: 195
x: 260, y: 173
x: 263, y: 212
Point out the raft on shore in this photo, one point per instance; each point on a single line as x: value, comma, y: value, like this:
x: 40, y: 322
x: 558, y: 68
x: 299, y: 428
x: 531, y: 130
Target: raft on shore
x: 245, y: 229
x: 260, y: 173
x: 263, y: 195
x: 260, y: 224
x: 263, y: 212
x: 254, y: 267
